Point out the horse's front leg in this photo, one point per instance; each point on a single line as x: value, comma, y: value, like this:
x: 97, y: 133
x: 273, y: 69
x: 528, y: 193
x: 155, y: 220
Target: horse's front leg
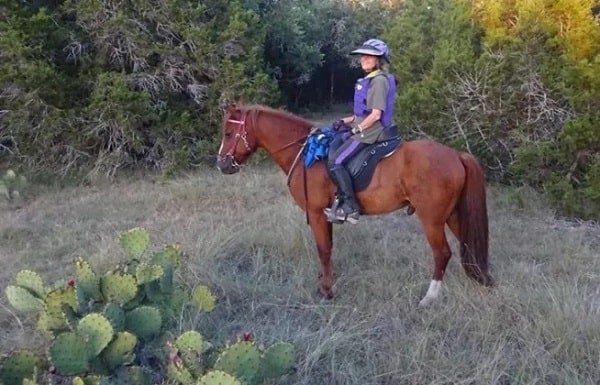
x: 322, y: 231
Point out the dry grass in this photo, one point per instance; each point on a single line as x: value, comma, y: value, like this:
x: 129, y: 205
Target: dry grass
x: 541, y: 325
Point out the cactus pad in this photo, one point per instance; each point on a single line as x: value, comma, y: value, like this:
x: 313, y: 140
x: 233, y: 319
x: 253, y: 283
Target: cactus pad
x: 54, y: 318
x: 31, y: 281
x: 241, y: 360
x: 217, y: 377
x: 135, y: 241
x: 180, y: 374
x: 203, y: 299
x: 190, y: 340
x: 22, y: 299
x: 120, y: 350
x: 144, y: 321
x: 69, y: 354
x: 119, y: 288
x: 169, y: 256
x: 278, y: 360
x: 136, y: 375
x: 115, y: 315
x: 18, y: 367
x: 87, y: 280
x: 145, y: 273
x: 96, y: 331
x: 169, y: 259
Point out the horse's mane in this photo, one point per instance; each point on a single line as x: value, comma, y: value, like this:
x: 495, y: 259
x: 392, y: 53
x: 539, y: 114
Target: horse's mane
x: 281, y: 113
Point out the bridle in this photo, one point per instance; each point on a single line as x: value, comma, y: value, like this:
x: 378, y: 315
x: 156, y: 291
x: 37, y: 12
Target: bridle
x: 240, y: 133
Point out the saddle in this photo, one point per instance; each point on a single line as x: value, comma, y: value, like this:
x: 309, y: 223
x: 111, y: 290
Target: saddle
x: 362, y: 165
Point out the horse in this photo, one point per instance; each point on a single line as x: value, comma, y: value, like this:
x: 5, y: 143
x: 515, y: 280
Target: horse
x: 445, y: 187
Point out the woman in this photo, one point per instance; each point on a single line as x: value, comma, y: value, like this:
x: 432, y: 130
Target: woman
x: 374, y: 98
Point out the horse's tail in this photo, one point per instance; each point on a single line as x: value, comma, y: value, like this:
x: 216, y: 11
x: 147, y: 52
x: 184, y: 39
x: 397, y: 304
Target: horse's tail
x: 473, y: 218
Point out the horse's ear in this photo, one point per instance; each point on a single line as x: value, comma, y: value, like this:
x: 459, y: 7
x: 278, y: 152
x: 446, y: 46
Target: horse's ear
x: 228, y: 108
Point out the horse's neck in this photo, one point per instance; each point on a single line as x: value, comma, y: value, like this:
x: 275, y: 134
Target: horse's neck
x: 283, y: 140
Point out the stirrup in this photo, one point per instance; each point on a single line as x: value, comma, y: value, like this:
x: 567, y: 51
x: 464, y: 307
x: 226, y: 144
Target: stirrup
x: 331, y: 217
x: 329, y: 212
x: 338, y: 215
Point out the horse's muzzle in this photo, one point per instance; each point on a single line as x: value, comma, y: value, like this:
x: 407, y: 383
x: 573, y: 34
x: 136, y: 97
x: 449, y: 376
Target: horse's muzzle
x: 227, y: 165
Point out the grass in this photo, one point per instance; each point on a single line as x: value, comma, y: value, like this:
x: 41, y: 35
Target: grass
x: 247, y: 240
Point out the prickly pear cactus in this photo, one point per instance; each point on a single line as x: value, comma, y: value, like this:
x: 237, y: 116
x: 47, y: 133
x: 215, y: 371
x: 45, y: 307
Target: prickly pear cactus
x: 69, y: 354
x: 22, y: 299
x: 31, y: 281
x: 241, y: 360
x: 278, y: 360
x: 100, y: 322
x: 131, y: 375
x: 144, y: 321
x: 169, y: 256
x: 19, y: 366
x: 120, y: 351
x: 87, y: 281
x: 119, y: 288
x: 203, y: 299
x: 169, y: 259
x: 217, y: 377
x: 96, y: 331
x: 135, y: 241
x: 189, y: 347
x: 191, y: 340
x: 57, y: 305
x: 146, y: 272
x: 177, y: 372
x: 115, y: 314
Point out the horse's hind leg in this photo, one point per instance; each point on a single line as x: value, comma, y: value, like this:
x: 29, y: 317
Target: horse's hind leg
x: 441, y: 255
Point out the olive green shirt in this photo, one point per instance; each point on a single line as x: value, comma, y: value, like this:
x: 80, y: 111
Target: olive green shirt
x: 376, y: 99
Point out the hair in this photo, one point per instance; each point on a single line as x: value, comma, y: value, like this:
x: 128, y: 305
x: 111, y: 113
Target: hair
x: 383, y: 65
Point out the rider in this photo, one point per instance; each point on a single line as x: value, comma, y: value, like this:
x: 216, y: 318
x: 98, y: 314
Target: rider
x: 374, y: 98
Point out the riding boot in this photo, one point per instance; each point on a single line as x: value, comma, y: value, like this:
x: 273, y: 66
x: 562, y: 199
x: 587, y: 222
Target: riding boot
x: 345, y: 208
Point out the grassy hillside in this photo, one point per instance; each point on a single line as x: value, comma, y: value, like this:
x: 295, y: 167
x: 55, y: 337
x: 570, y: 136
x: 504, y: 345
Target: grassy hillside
x: 247, y: 240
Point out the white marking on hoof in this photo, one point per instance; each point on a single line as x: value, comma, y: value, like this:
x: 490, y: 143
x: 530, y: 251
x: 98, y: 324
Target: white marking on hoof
x: 432, y: 293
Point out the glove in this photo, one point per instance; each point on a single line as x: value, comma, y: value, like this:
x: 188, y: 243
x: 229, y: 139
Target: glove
x: 338, y: 125
x: 356, y: 129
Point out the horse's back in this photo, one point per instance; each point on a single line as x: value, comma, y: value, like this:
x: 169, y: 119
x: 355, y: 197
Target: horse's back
x: 430, y: 171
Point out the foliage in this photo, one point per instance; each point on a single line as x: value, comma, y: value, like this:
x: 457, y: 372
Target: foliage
x: 99, y: 86
x: 114, y: 84
x: 113, y: 327
x: 519, y: 89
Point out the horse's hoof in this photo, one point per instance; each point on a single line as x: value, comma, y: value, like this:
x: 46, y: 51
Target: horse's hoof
x: 426, y: 302
x: 410, y: 210
x: 325, y: 293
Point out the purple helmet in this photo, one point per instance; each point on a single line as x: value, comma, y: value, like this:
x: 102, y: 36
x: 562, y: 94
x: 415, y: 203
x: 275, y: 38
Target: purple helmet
x: 374, y: 47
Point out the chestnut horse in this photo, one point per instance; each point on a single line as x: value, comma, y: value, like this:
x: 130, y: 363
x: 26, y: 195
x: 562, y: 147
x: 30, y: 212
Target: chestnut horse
x: 444, y: 186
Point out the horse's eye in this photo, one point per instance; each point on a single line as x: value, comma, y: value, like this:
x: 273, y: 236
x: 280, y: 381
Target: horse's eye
x: 227, y: 134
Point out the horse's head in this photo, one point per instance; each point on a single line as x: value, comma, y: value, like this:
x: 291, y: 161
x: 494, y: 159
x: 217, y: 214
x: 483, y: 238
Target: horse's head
x: 238, y: 141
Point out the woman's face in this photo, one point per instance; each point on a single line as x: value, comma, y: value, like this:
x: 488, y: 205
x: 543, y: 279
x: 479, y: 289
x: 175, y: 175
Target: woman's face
x: 369, y: 63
